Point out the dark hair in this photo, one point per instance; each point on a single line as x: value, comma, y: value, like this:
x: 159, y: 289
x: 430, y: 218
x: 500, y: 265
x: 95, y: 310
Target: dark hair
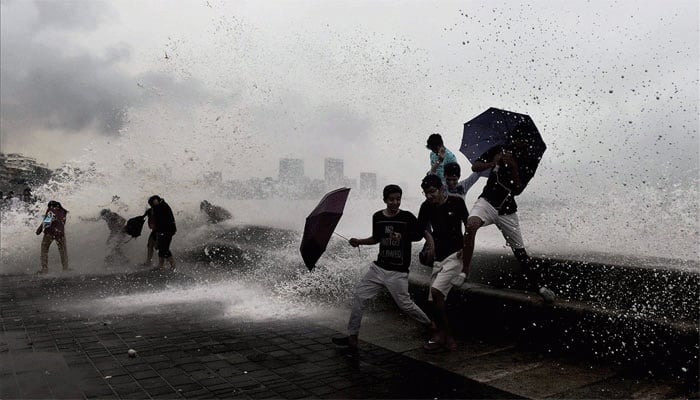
x: 434, y: 141
x: 431, y: 180
x: 452, y: 169
x: 54, y: 203
x: 152, y: 198
x: 389, y: 189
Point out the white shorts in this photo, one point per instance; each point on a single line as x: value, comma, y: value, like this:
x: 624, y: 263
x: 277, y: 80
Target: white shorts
x: 443, y: 272
x: 508, y: 224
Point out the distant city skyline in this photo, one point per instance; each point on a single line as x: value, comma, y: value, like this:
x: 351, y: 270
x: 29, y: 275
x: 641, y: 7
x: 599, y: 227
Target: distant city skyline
x: 292, y: 170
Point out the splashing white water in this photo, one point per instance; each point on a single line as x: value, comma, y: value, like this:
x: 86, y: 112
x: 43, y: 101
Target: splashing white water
x: 235, y: 100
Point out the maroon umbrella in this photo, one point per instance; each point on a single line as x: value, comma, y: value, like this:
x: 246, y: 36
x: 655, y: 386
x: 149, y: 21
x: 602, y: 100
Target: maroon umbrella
x: 320, y: 225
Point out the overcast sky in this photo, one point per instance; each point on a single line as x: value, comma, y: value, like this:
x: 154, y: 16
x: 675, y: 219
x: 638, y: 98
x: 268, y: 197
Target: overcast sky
x: 235, y: 85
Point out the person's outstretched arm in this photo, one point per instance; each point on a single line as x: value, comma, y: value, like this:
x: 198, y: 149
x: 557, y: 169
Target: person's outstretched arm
x: 467, y: 183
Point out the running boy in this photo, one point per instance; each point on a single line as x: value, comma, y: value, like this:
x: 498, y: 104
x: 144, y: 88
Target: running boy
x: 394, y: 229
x: 446, y: 214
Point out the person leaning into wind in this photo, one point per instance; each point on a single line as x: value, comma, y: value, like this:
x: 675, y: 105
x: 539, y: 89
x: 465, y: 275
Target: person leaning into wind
x: 165, y: 229
x: 54, y: 227
x: 496, y: 205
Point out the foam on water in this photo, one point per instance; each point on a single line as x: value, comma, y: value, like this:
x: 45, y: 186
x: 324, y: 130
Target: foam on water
x: 276, y: 286
x: 238, y: 298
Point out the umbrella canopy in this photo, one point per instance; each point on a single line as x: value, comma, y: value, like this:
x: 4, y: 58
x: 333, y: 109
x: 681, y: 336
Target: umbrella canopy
x: 320, y: 225
x: 495, y: 127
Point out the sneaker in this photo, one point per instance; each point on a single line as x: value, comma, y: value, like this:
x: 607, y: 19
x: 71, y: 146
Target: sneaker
x: 341, y: 341
x: 42, y: 272
x: 547, y: 295
x: 434, y: 346
x: 436, y: 342
x: 349, y: 341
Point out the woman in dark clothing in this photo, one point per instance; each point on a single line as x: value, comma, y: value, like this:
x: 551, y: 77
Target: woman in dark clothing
x: 165, y: 229
x: 54, y: 227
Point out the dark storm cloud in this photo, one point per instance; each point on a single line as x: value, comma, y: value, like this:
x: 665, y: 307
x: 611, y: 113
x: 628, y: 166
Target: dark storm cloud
x: 45, y: 89
x: 46, y: 86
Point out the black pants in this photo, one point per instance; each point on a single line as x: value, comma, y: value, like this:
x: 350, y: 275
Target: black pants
x: 163, y: 244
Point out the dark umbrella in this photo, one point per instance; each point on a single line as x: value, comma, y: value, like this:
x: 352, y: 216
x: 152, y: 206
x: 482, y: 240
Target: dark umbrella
x: 320, y: 225
x: 495, y: 127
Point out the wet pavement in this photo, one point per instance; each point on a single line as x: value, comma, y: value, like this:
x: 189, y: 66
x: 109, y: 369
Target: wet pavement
x: 50, y: 349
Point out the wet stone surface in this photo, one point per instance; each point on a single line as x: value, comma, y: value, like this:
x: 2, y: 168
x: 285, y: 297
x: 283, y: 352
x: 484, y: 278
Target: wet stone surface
x: 56, y: 342
x: 48, y: 352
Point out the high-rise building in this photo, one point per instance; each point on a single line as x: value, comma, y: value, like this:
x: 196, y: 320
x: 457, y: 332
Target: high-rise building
x: 18, y: 162
x: 16, y: 169
x: 368, y: 184
x: 291, y: 170
x: 333, y: 172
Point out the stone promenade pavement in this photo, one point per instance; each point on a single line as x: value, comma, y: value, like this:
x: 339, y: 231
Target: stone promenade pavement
x: 50, y: 351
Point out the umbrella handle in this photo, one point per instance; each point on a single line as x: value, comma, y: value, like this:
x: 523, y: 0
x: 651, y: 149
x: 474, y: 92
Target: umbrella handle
x: 358, y: 247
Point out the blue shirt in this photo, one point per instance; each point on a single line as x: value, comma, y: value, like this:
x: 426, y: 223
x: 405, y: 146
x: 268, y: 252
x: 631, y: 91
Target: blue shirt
x: 449, y: 158
x: 464, y: 185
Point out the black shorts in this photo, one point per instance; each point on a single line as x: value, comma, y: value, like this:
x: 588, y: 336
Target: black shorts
x: 163, y: 245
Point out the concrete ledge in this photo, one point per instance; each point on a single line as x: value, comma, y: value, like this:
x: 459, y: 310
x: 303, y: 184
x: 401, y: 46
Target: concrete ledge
x: 643, y: 318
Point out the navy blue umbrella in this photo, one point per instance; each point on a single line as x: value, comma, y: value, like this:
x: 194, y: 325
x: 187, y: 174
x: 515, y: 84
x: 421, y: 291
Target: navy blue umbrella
x: 495, y: 127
